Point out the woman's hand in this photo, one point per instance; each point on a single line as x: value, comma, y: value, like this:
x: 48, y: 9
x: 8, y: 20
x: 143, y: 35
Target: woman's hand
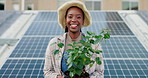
x: 60, y: 76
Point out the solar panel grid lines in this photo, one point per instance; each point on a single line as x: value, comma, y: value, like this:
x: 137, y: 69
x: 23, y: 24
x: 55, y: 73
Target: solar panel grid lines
x: 125, y: 68
x: 23, y: 68
x: 36, y: 30
x: 124, y: 56
x: 119, y: 29
x: 136, y: 52
x: 32, y: 47
x: 105, y: 16
x: 123, y: 47
x: 116, y: 28
x: 44, y: 28
x: 46, y: 16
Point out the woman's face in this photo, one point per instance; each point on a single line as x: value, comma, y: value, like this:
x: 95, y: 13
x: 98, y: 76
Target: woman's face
x: 74, y: 19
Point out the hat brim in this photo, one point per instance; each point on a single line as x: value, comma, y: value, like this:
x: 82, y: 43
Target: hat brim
x: 62, y: 12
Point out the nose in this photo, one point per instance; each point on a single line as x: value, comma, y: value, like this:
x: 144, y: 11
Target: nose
x: 73, y: 19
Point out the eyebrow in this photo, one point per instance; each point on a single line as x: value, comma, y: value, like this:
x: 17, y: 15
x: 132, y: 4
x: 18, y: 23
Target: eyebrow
x: 76, y: 14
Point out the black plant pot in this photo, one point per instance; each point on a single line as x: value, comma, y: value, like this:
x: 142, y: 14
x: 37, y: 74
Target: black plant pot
x: 83, y: 75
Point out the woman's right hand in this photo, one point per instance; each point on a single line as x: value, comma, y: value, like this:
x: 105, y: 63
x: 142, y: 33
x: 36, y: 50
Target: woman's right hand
x: 60, y: 76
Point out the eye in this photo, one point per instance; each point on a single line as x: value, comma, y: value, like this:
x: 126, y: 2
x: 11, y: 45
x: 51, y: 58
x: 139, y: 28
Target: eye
x: 69, y: 16
x: 78, y: 17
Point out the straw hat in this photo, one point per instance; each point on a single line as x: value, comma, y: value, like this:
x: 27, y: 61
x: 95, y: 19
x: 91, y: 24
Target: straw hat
x: 62, y: 12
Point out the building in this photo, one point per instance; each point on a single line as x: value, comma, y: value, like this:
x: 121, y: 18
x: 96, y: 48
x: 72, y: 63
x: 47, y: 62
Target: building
x: 91, y: 4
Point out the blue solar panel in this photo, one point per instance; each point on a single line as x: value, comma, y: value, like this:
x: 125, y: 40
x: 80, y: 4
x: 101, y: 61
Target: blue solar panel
x: 46, y: 23
x: 31, y: 47
x: 46, y: 16
x: 44, y: 28
x: 113, y: 68
x: 126, y: 68
x: 96, y: 16
x: 117, y: 28
x: 27, y: 59
x: 22, y: 68
x: 123, y: 47
x: 53, y: 28
x: 105, y: 16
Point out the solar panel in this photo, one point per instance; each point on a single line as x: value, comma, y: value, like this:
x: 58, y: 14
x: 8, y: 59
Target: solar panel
x: 44, y: 28
x: 126, y: 68
x: 27, y: 59
x: 31, y: 47
x: 117, y: 28
x: 53, y: 28
x: 113, y: 68
x: 46, y: 16
x: 105, y: 16
x: 97, y: 16
x: 22, y: 68
x: 123, y: 47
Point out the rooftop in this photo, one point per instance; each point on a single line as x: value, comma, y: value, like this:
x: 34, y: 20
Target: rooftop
x: 24, y: 36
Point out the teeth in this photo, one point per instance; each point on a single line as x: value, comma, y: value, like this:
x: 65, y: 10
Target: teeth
x: 73, y: 25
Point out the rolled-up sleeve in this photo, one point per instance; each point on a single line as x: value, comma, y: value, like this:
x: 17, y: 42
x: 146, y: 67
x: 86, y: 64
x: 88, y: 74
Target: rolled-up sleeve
x: 99, y: 69
x: 49, y: 71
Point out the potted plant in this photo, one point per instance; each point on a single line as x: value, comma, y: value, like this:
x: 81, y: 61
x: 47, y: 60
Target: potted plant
x: 81, y: 52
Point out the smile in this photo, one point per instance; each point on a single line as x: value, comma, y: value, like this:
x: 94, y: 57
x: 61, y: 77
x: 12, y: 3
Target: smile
x: 74, y: 25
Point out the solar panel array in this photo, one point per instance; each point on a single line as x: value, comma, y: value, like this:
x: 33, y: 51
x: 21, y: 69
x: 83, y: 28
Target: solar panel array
x: 124, y: 47
x: 124, y: 55
x: 31, y: 47
x: 22, y: 68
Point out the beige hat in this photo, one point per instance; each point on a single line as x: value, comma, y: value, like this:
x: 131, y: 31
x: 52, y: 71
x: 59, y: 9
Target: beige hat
x: 62, y: 12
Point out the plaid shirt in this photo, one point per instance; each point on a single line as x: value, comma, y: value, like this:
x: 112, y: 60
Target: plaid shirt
x: 52, y: 66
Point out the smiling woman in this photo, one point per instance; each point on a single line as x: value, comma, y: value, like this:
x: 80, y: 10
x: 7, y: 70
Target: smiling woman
x: 72, y: 16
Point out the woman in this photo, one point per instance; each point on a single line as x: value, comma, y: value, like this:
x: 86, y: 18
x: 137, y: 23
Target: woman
x: 72, y: 16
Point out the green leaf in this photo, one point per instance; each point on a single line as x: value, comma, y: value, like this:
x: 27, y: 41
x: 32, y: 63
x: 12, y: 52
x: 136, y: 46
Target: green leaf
x: 98, y: 60
x: 80, y: 66
x: 98, y: 36
x: 75, y: 63
x: 89, y: 55
x: 82, y: 41
x: 56, y: 52
x: 90, y: 33
x: 91, y: 49
x: 90, y: 65
x: 92, y: 41
x: 75, y: 56
x: 78, y: 72
x: 69, y: 44
x: 70, y: 50
x: 102, y: 32
x: 87, y: 44
x: 70, y: 65
x: 71, y: 74
x: 84, y: 50
x: 74, y: 43
x: 98, y: 51
x: 60, y: 45
x: 88, y: 61
x: 97, y: 40
x: 106, y: 36
x: 69, y: 60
